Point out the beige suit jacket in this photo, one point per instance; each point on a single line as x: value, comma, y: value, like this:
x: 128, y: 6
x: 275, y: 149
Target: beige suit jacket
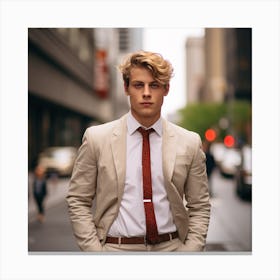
x: 98, y: 181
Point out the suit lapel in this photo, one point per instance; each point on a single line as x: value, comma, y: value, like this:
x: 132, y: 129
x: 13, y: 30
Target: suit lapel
x: 118, y: 146
x: 168, y: 151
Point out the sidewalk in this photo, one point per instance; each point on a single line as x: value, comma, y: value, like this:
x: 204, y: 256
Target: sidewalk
x: 230, y: 227
x: 56, y: 194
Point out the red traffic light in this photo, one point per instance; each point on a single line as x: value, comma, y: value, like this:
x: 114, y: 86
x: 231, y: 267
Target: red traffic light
x: 229, y: 141
x: 210, y: 134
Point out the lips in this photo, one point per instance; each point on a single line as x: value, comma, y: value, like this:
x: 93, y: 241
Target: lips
x: 146, y: 103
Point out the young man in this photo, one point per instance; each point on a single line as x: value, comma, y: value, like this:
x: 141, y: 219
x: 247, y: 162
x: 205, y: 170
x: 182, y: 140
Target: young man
x: 139, y: 179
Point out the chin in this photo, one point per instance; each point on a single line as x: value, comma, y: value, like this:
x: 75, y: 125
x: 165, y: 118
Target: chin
x: 149, y: 114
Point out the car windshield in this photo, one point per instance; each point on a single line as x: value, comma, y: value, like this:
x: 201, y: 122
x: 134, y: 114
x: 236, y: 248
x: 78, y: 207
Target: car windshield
x: 60, y: 155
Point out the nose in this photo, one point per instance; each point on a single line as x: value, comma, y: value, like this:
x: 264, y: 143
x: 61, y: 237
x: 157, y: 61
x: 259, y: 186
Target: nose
x: 146, y: 92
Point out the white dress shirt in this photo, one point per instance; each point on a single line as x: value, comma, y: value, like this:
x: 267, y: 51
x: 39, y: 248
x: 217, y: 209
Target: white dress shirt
x: 131, y: 217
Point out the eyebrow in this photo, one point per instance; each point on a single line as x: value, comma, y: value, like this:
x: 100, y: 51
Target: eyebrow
x: 137, y: 81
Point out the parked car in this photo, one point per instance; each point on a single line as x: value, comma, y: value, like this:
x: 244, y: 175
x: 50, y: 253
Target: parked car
x: 230, y: 161
x: 218, y: 149
x: 244, y: 174
x: 58, y: 160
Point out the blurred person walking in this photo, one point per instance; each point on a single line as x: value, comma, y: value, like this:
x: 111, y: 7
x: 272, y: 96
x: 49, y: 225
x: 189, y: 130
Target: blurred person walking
x: 138, y: 169
x: 40, y: 191
x: 210, y: 163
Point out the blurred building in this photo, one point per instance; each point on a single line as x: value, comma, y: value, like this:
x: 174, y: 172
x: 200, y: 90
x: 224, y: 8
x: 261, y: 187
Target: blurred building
x: 119, y: 42
x: 219, y: 65
x: 73, y: 82
x: 195, y: 68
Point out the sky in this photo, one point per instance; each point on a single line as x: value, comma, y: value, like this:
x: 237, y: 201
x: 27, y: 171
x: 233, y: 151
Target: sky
x: 171, y: 43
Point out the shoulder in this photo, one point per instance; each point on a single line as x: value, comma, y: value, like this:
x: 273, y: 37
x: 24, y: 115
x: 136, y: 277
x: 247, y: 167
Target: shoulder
x: 103, y: 133
x: 182, y: 133
x: 187, y: 142
x: 106, y: 129
x: 102, y: 129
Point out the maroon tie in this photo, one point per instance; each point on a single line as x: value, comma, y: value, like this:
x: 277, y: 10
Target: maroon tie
x: 151, y: 225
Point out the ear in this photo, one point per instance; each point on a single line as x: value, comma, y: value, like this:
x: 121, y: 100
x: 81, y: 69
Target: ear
x: 166, y: 89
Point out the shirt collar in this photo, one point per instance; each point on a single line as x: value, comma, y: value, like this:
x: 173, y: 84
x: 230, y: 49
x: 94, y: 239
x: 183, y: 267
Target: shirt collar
x: 133, y: 124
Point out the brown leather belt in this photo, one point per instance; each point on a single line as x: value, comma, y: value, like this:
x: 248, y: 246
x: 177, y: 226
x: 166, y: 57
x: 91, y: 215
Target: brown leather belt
x: 142, y: 239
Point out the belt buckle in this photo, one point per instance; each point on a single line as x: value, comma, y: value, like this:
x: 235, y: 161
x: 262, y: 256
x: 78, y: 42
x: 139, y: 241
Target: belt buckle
x: 150, y: 242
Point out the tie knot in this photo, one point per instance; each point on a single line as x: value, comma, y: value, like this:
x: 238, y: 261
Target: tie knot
x: 145, y: 132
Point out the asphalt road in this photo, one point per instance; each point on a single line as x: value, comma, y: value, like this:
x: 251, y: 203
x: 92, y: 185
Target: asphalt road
x: 55, y: 234
x: 231, y: 218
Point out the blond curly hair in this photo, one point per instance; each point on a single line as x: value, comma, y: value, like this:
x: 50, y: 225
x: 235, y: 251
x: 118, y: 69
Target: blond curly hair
x: 160, y: 68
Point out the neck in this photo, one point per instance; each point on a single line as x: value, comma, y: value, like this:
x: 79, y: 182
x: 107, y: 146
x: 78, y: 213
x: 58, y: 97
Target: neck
x: 146, y: 121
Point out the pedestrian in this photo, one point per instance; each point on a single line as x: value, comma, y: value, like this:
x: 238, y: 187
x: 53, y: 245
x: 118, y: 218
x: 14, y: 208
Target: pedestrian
x: 210, y: 164
x: 40, y: 191
x: 139, y: 192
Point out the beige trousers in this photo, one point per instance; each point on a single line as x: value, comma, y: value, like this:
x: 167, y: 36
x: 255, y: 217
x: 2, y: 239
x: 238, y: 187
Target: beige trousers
x: 168, y: 246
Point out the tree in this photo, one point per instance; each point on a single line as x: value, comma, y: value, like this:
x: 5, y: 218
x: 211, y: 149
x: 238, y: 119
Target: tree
x: 199, y: 117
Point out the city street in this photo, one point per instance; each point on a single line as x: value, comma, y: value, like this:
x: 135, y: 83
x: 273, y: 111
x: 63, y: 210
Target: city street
x: 229, y: 229
x: 55, y: 234
x: 230, y: 226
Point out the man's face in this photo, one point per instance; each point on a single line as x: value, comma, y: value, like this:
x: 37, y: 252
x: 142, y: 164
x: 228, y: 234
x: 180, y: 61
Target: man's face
x: 146, y: 96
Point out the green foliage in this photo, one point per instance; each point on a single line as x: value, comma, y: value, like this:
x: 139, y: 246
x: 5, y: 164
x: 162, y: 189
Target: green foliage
x: 199, y: 117
x: 242, y: 119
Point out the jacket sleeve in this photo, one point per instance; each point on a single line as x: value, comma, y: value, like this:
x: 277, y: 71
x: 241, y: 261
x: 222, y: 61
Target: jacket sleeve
x: 80, y: 196
x: 197, y: 197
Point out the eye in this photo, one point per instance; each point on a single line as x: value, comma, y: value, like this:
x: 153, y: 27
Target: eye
x: 154, y: 85
x: 138, y: 85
